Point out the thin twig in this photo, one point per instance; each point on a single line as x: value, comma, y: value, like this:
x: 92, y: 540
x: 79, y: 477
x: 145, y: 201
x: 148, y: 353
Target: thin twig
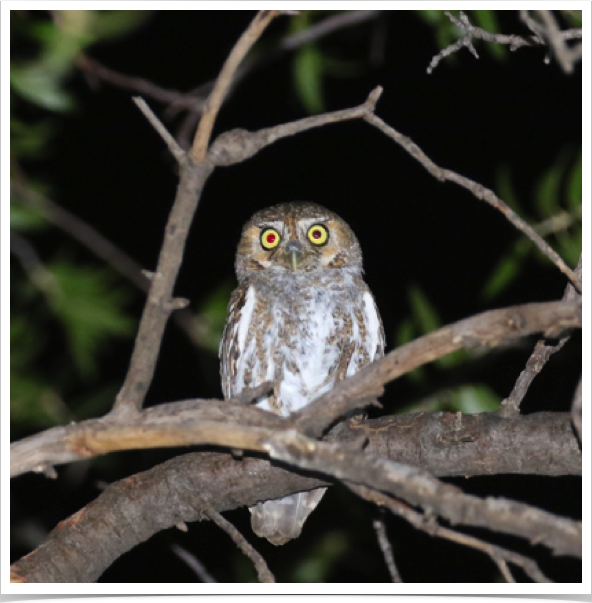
x: 29, y: 259
x: 177, y: 152
x: 471, y: 32
x: 193, y: 562
x: 425, y: 523
x: 238, y: 145
x: 479, y: 191
x: 566, y: 57
x: 216, y: 97
x: 190, y: 101
x: 326, y: 27
x: 379, y: 525
x: 263, y: 572
x: 540, y: 356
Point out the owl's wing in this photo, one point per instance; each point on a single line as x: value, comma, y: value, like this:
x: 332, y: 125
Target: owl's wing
x: 240, y: 313
x: 368, y: 344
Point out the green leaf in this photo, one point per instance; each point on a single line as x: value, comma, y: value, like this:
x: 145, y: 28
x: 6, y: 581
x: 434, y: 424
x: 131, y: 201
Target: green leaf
x: 548, y: 191
x: 30, y: 140
x: 573, y: 18
x: 406, y: 332
x: 90, y: 307
x: 40, y: 86
x: 425, y: 314
x: 476, y: 398
x: 570, y: 246
x: 433, y: 17
x: 507, y: 269
x: 321, y: 559
x: 24, y: 218
x: 34, y: 404
x: 109, y: 24
x: 308, y: 78
x: 211, y: 317
x: 573, y: 191
x: 506, y: 190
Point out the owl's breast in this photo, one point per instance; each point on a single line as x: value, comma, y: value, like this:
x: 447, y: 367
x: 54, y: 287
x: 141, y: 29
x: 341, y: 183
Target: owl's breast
x: 297, y: 336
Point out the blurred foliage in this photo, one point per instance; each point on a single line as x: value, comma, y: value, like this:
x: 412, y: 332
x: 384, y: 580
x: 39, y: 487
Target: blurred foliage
x: 211, y: 317
x: 311, y: 63
x: 557, y: 203
x: 467, y: 398
x: 56, y: 299
x: 41, y: 79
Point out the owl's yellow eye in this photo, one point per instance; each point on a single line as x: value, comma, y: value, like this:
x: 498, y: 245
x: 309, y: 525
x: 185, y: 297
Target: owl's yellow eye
x: 270, y: 238
x: 318, y: 234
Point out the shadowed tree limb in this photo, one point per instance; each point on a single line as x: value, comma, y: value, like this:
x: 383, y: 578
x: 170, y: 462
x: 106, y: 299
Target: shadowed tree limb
x: 131, y: 510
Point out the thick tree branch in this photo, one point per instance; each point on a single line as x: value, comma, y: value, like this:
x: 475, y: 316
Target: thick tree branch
x: 131, y: 510
x: 420, y: 488
x: 160, y: 303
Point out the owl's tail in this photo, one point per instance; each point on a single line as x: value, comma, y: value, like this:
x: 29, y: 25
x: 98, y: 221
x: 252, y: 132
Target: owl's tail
x: 281, y: 520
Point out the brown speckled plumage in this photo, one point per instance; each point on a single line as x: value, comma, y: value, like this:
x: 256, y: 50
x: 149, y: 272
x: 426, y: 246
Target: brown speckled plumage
x: 303, y: 317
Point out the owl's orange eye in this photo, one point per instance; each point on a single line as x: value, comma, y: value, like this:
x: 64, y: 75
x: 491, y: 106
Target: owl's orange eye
x: 270, y: 238
x: 318, y: 234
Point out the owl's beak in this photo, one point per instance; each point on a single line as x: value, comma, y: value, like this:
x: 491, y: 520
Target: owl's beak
x: 295, y: 252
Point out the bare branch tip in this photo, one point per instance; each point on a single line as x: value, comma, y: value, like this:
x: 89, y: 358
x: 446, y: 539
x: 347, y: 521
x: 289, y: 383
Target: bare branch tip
x: 374, y: 96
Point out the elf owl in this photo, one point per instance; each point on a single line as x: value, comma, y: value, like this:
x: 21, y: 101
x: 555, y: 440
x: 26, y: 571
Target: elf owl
x: 301, y: 317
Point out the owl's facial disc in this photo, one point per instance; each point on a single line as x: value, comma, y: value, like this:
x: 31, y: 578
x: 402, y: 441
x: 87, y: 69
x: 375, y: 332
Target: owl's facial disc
x: 297, y: 238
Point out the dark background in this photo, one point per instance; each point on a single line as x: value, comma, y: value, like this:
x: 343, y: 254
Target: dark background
x: 109, y: 167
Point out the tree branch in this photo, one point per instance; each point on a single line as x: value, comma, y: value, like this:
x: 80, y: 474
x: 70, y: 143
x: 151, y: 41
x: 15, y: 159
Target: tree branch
x: 385, y: 546
x: 216, y: 97
x: 263, y: 572
x: 470, y: 33
x: 481, y: 192
x: 539, y: 357
x: 130, y: 511
x: 418, y: 487
x: 488, y: 329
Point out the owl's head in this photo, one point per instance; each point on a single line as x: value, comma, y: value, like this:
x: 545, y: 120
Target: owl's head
x: 294, y: 238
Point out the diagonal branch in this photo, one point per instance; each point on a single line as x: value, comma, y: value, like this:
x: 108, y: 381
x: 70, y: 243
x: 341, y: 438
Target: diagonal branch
x: 216, y: 97
x: 263, y: 572
x: 479, y: 191
x: 419, y: 488
x: 539, y: 357
x: 489, y: 329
